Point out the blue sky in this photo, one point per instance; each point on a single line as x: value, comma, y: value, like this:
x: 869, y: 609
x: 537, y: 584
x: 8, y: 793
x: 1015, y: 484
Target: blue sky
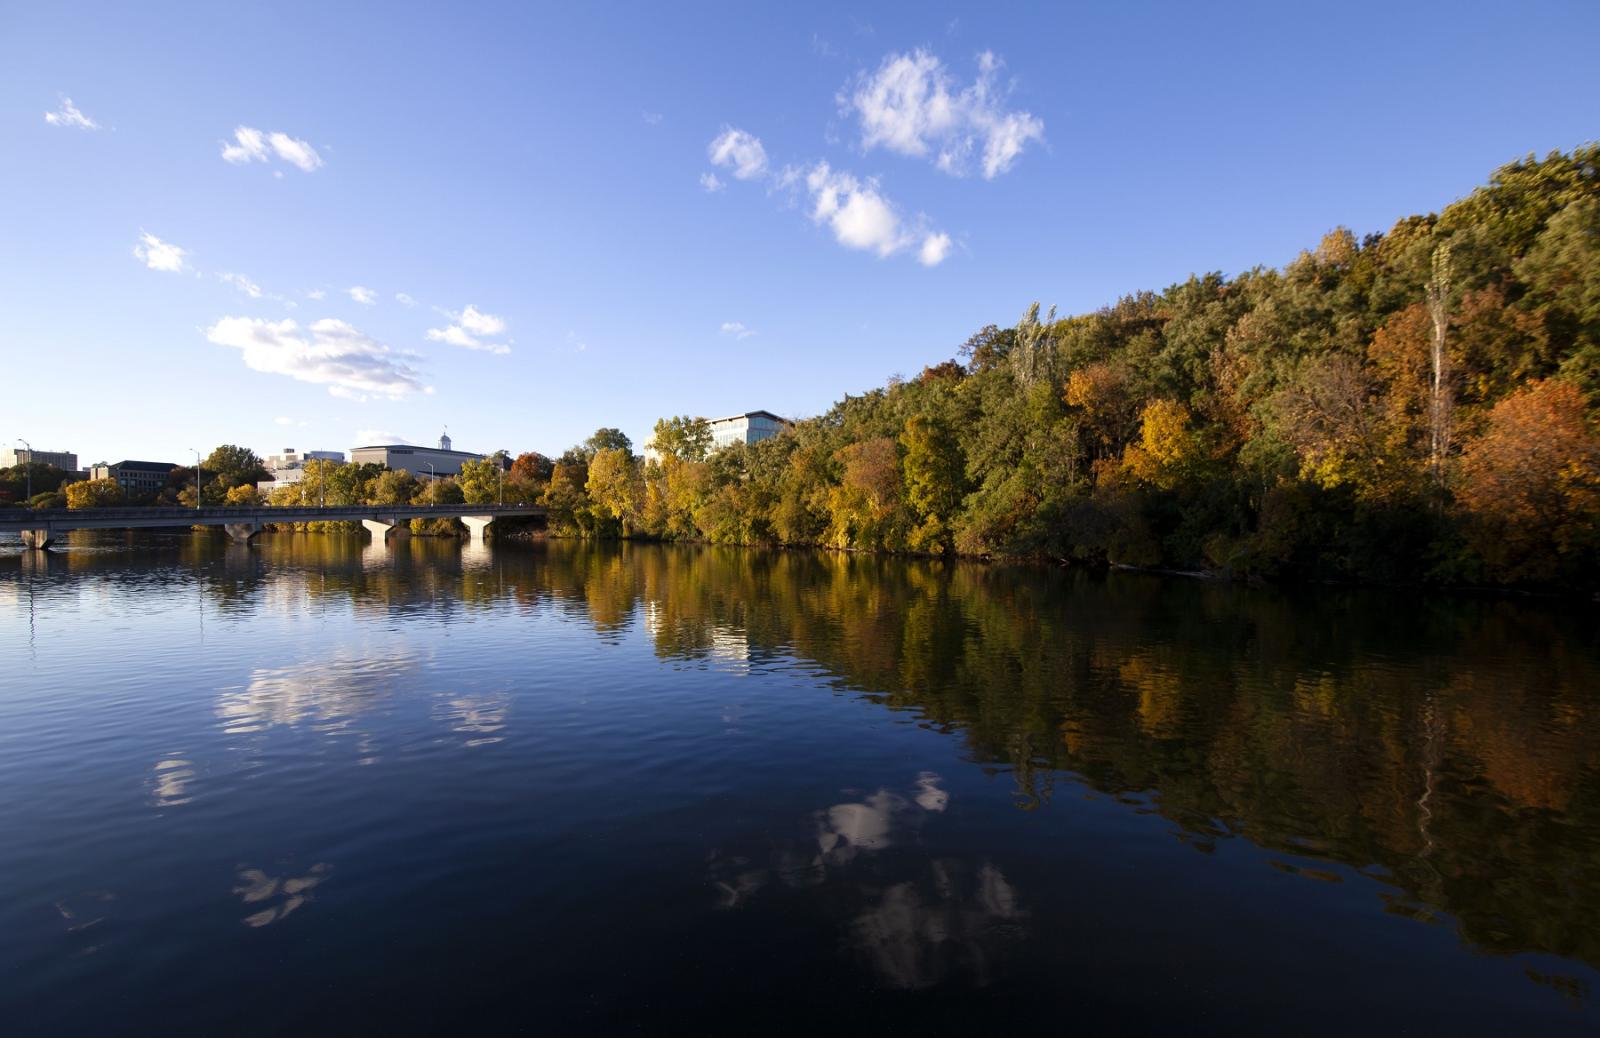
x: 886, y: 181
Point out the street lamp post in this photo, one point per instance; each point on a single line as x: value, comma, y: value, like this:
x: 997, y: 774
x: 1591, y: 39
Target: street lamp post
x: 196, y: 479
x: 500, y: 480
x: 432, y: 497
x: 27, y: 466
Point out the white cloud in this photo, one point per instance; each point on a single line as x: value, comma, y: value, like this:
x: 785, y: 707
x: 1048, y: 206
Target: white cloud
x: 475, y: 320
x: 935, y: 247
x: 711, y: 182
x: 315, y: 293
x: 252, y: 145
x: 737, y: 329
x: 856, y: 210
x: 68, y: 115
x: 249, y: 145
x: 653, y: 118
x: 465, y: 328
x: 350, y: 363
x: 911, y: 105
x: 296, y: 152
x: 369, y: 436
x: 159, y: 255
x: 364, y: 296
x: 862, y: 218
x: 404, y: 300
x: 740, y: 152
x: 242, y: 283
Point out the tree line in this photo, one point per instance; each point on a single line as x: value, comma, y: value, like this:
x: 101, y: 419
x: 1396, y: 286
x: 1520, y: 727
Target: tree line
x: 1416, y: 406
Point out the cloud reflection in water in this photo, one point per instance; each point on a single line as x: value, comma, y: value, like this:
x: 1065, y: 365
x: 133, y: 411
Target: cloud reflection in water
x: 912, y: 918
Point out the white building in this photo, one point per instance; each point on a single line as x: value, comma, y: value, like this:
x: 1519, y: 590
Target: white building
x: 289, y: 467
x: 750, y: 427
x: 66, y: 461
x: 413, y: 459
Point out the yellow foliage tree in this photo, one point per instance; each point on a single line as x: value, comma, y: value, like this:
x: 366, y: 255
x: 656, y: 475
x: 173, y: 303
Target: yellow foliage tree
x: 95, y: 493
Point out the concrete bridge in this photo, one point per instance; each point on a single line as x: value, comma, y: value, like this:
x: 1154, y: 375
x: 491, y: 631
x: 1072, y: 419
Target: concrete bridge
x: 40, y: 527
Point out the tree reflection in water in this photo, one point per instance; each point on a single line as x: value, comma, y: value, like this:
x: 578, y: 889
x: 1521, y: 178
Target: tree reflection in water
x: 1450, y: 746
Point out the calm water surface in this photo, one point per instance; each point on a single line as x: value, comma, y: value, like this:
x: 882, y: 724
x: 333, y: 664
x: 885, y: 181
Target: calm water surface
x: 321, y: 785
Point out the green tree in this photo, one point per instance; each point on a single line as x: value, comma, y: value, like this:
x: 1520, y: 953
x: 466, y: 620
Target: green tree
x: 482, y: 481
x: 235, y: 466
x: 684, y: 438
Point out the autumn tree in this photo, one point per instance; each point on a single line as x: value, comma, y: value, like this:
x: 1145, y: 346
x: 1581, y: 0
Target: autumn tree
x: 531, y: 467
x: 1531, y: 484
x: 95, y: 493
x: 935, y: 481
x: 613, y: 486
x: 866, y: 507
x: 1169, y: 450
x: 566, y: 499
x: 395, y: 487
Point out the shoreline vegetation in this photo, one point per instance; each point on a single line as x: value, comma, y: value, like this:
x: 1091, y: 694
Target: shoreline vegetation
x: 1417, y: 407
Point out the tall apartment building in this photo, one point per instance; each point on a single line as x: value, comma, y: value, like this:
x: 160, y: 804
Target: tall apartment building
x: 66, y: 461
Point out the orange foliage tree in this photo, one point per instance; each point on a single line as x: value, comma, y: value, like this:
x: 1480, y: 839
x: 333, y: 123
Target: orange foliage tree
x: 1531, y: 483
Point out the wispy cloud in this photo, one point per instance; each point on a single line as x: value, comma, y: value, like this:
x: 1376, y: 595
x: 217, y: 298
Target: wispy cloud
x: 252, y: 145
x: 68, y: 115
x: 330, y: 352
x: 242, y: 283
x: 364, y: 296
x: 467, y: 326
x: 711, y: 183
x: 653, y: 118
x: 159, y: 255
x: 912, y: 105
x: 404, y: 300
x: 315, y: 293
x: 737, y: 329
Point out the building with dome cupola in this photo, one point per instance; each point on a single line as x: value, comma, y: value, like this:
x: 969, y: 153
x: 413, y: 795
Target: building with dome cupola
x: 408, y: 457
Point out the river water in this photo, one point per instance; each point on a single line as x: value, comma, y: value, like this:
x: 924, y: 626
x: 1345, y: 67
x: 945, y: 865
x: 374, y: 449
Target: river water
x: 323, y: 785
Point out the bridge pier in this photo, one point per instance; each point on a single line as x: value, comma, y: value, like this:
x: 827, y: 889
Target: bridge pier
x: 476, y: 524
x: 378, y: 528
x: 38, y: 540
x: 242, y: 533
